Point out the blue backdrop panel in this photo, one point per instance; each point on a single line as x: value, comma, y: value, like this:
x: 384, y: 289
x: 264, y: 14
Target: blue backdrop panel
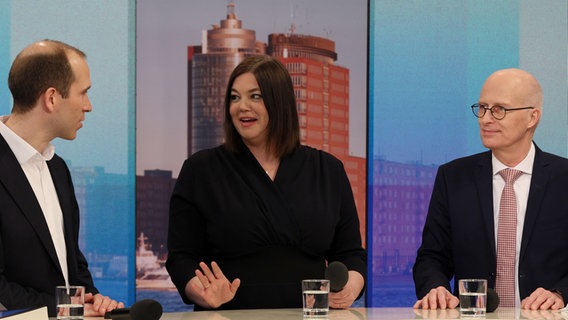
x: 428, y: 60
x: 5, y: 98
x: 102, y: 158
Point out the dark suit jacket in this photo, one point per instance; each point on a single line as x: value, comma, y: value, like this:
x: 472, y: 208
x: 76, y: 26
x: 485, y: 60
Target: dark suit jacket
x: 459, y: 233
x: 29, y: 268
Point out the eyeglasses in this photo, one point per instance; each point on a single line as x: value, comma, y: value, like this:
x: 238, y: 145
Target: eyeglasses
x: 498, y: 112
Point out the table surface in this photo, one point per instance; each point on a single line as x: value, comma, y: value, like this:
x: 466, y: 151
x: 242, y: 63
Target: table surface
x: 357, y: 314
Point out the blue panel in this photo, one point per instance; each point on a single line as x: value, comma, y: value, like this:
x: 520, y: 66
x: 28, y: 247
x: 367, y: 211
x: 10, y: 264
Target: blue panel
x: 102, y: 158
x: 5, y: 61
x: 427, y: 63
x: 370, y: 143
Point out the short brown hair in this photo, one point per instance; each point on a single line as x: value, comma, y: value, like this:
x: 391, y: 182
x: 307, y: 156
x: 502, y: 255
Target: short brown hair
x: 278, y: 95
x: 38, y: 67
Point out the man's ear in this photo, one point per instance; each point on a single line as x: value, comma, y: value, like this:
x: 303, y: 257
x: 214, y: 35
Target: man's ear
x: 49, y: 99
x: 535, y: 117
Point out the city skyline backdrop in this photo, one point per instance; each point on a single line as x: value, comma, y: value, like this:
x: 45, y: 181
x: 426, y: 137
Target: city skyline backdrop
x: 165, y: 32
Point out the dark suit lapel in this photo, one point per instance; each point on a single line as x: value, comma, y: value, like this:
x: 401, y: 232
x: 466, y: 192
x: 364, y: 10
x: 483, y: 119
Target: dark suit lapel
x: 484, y: 183
x: 539, y: 179
x: 16, y: 184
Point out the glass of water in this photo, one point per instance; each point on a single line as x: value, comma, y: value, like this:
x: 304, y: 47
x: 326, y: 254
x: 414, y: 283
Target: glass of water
x: 473, y: 297
x: 70, y: 302
x: 315, y: 298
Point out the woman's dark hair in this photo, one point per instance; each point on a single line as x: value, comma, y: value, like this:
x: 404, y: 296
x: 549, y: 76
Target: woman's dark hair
x: 278, y: 95
x: 39, y: 67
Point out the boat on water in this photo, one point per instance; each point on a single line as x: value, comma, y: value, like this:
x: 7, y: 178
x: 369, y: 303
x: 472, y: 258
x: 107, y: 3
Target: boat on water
x: 151, y: 272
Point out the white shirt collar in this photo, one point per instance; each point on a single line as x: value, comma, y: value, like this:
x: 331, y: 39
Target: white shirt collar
x: 23, y: 151
x: 526, y: 166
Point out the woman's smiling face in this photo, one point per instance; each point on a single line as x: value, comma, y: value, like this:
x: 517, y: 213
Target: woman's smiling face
x: 248, y: 113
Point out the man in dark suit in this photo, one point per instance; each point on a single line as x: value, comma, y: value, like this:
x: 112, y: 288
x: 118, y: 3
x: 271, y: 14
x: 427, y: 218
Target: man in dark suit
x: 461, y: 237
x: 39, y: 215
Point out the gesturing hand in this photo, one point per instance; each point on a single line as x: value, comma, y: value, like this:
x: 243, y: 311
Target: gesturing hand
x: 212, y: 287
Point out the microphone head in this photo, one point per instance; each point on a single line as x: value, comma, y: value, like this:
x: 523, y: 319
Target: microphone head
x: 492, y: 300
x: 337, y: 274
x: 146, y: 309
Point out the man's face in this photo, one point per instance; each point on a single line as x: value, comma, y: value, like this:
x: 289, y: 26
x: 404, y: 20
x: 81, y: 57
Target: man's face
x: 516, y: 128
x: 71, y: 110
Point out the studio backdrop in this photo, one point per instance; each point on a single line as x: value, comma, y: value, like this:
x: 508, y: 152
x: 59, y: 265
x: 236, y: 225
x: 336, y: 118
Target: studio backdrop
x: 405, y: 74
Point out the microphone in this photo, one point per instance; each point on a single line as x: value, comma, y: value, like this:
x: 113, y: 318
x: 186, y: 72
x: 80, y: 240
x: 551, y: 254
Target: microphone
x: 492, y: 300
x: 146, y: 309
x: 337, y: 274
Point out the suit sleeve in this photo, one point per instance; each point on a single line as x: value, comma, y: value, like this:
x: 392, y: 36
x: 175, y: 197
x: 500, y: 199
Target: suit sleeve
x: 84, y: 277
x: 434, y: 266
x: 347, y: 245
x: 185, y: 232
x: 16, y: 296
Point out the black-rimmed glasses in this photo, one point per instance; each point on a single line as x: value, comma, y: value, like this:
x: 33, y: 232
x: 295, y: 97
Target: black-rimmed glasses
x: 498, y: 112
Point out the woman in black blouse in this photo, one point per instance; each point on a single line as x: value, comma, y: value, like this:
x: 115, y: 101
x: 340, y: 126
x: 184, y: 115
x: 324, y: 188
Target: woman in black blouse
x: 253, y: 217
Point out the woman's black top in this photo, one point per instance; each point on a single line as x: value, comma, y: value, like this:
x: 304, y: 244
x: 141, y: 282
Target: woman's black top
x: 270, y: 234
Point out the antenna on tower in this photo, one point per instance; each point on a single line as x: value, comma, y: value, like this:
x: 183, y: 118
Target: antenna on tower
x: 230, y: 9
x: 292, y: 18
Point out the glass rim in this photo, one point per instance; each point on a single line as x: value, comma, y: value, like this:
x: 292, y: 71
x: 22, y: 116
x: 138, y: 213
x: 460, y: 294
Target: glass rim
x: 472, y: 280
x: 315, y: 280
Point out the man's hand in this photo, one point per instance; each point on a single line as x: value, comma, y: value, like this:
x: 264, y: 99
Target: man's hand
x: 438, y: 298
x: 97, y: 305
x: 542, y: 299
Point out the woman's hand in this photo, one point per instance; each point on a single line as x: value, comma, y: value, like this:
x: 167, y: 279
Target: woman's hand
x: 345, y: 298
x: 210, y: 288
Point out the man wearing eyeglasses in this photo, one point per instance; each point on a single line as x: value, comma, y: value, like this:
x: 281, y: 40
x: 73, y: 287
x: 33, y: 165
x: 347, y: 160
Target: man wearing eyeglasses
x: 479, y: 226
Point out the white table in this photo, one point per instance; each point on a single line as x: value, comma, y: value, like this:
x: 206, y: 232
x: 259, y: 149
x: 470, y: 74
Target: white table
x: 359, y: 314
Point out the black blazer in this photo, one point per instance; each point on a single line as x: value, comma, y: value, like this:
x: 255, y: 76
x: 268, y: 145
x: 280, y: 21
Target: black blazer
x: 459, y: 233
x: 29, y: 268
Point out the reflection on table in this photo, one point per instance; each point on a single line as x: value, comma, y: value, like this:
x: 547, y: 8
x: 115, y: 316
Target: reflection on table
x: 361, y: 314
